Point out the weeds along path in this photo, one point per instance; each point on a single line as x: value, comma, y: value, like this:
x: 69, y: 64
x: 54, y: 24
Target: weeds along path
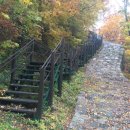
x: 105, y: 102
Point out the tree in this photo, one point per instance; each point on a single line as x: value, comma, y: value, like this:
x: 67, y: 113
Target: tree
x: 49, y: 20
x: 126, y: 14
x: 70, y: 18
x: 112, y: 29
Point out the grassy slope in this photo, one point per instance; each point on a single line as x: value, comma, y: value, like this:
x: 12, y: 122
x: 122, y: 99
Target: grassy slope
x: 127, y: 60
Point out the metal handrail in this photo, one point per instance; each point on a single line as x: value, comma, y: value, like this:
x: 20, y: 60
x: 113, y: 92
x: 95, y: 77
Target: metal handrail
x: 64, y: 59
x: 16, y: 54
x: 56, y: 49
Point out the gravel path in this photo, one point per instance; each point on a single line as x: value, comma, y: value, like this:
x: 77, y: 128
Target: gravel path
x: 105, y: 102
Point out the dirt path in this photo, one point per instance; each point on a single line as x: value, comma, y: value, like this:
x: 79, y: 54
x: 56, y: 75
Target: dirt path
x: 105, y: 102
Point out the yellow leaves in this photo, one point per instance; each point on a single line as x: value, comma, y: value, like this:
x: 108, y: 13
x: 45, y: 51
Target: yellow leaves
x: 54, y: 32
x: 47, y: 15
x: 127, y: 52
x: 42, y: 126
x: 35, y: 31
x: 5, y: 15
x: 127, y: 40
x: 26, y: 2
x: 76, y: 41
x: 53, y: 126
x: 65, y: 8
x: 66, y: 18
x: 71, y: 7
x: 59, y: 32
x: 57, y: 3
x: 112, y: 29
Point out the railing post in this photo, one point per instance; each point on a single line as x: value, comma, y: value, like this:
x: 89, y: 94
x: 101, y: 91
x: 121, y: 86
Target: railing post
x: 51, y: 92
x: 61, y: 71
x: 87, y: 53
x: 76, y: 63
x: 71, y: 59
x: 101, y: 40
x: 32, y: 51
x: 41, y: 93
x: 77, y: 59
x: 13, y: 67
x: 94, y: 47
x: 90, y: 48
x: 123, y: 62
x: 84, y: 53
x: 96, y: 43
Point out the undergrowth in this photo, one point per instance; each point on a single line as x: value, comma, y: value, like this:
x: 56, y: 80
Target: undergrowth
x: 127, y: 60
x: 55, y: 118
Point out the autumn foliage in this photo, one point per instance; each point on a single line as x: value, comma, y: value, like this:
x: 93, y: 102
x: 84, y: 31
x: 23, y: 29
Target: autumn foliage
x: 47, y: 20
x: 8, y: 30
x: 112, y: 28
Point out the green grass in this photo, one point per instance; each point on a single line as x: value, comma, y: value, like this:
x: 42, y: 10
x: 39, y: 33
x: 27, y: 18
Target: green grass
x: 4, y: 79
x: 55, y: 118
x: 11, y: 121
x: 127, y: 61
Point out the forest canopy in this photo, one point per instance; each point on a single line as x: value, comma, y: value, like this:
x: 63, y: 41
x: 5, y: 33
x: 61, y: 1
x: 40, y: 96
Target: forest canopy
x: 46, y: 21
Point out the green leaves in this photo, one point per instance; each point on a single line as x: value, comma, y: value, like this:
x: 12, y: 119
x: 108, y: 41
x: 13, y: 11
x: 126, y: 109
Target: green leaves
x: 23, y: 19
x: 58, y: 18
x: 7, y: 46
x: 1, y: 1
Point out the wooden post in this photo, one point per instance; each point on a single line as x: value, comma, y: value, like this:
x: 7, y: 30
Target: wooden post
x: 96, y: 44
x: 92, y: 49
x: 123, y: 62
x: 84, y: 53
x: 51, y: 92
x: 88, y: 52
x: 76, y: 59
x: 13, y: 69
x: 101, y: 40
x: 40, y: 97
x: 61, y: 72
x: 71, y: 59
x: 32, y: 51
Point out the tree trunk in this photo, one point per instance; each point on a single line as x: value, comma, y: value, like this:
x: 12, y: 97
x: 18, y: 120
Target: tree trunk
x: 44, y: 26
x: 126, y: 14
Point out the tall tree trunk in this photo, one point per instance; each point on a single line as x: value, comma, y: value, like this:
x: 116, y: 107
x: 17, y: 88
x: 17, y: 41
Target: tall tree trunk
x: 126, y: 14
x: 44, y: 26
